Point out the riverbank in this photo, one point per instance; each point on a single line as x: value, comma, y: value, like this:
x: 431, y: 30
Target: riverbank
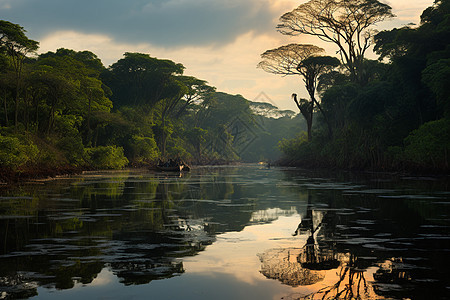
x: 10, y: 176
x: 392, y: 168
x: 31, y: 173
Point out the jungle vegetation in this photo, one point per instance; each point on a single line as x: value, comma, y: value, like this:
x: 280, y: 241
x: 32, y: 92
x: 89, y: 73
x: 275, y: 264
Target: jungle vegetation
x: 65, y: 110
x: 392, y: 113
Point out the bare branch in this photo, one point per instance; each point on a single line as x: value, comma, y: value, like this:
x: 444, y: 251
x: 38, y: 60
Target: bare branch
x: 346, y: 23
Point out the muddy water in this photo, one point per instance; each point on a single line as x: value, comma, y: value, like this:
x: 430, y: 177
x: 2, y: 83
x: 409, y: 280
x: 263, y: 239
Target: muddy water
x: 242, y: 232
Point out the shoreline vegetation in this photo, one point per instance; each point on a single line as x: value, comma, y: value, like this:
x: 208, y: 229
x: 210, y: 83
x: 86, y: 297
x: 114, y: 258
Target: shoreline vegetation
x: 389, y: 114
x: 37, y: 174
x: 64, y: 112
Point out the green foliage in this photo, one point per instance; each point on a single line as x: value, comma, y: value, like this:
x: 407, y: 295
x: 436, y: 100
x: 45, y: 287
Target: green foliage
x: 139, y: 79
x: 295, y: 148
x: 177, y: 148
x: 369, y: 102
x: 197, y: 137
x: 72, y: 147
x: 143, y: 150
x: 106, y: 157
x: 336, y: 100
x: 387, y: 118
x: 80, y: 113
x: 437, y: 77
x: 68, y: 140
x: 428, y: 147
x: 352, y: 148
x: 16, y: 151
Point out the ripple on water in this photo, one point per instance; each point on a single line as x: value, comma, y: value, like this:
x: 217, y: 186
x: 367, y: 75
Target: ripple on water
x: 14, y: 217
x: 16, y: 198
x: 416, y: 197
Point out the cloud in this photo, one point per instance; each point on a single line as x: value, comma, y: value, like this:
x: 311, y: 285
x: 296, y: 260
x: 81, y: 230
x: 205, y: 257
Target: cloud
x: 159, y: 22
x: 217, y: 40
x: 406, y: 12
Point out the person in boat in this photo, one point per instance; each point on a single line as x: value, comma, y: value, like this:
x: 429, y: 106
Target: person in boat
x: 172, y: 163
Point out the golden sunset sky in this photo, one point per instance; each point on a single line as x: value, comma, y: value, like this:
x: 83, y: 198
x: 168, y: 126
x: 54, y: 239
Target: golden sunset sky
x: 217, y: 41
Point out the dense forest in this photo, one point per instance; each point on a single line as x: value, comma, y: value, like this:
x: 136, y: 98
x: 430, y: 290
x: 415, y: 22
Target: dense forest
x: 392, y: 113
x: 65, y: 110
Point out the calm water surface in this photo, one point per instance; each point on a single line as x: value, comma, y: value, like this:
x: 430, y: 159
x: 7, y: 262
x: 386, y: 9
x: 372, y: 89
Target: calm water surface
x: 241, y: 232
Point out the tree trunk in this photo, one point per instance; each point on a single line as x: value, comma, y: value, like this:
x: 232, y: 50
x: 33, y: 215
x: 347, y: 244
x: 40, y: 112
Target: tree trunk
x: 89, y: 114
x: 330, y: 129
x: 88, y: 124
x: 309, y: 125
x: 36, y: 104
x: 16, y: 108
x: 307, y: 113
x: 163, y: 137
x: 26, y: 113
x: 51, y: 118
x: 6, y: 111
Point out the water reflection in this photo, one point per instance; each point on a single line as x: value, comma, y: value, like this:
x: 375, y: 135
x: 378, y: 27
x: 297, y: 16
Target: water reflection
x: 377, y: 248
x: 365, y: 238
x: 351, y: 282
x: 69, y: 233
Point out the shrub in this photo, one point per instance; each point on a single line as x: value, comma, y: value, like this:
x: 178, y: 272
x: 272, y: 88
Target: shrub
x: 143, y: 149
x: 429, y: 145
x: 73, y: 149
x: 290, y: 147
x: 106, y: 157
x: 16, y: 151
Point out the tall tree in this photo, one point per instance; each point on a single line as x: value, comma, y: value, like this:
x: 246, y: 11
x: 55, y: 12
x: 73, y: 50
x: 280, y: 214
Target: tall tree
x: 59, y: 92
x: 139, y: 79
x: 81, y: 72
x: 303, y: 60
x: 171, y: 98
x: 197, y: 90
x: 346, y: 23
x: 311, y: 68
x: 307, y: 110
x: 17, y: 46
x: 419, y: 62
x: 285, y: 59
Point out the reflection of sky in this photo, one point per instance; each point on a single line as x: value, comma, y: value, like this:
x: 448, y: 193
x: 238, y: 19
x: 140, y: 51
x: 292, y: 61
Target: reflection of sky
x: 227, y: 269
x: 235, y: 253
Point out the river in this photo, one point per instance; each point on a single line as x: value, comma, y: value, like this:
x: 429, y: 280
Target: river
x: 232, y: 232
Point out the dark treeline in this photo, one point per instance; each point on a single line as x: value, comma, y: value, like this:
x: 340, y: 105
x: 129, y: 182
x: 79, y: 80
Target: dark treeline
x: 65, y: 109
x: 387, y: 114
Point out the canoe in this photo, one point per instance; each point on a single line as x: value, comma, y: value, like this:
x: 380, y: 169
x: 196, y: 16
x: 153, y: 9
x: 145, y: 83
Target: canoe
x: 176, y: 168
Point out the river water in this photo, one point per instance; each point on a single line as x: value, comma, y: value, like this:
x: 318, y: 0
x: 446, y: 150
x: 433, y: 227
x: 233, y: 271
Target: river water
x: 235, y: 232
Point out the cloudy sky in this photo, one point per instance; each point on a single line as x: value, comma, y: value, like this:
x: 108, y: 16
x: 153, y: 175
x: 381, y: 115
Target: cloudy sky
x: 219, y: 41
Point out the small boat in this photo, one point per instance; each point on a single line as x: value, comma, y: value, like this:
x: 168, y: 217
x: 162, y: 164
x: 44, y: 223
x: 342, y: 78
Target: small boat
x: 171, y: 165
x: 177, y: 168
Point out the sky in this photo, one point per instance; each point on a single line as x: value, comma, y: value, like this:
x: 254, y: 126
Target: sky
x: 219, y: 41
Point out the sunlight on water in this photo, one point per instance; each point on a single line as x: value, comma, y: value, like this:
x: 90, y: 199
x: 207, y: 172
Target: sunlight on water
x: 243, y: 232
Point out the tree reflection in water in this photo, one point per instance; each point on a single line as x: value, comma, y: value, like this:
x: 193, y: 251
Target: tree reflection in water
x: 314, y: 260
x: 351, y: 283
x: 365, y: 239
x: 281, y: 264
x: 133, y: 227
